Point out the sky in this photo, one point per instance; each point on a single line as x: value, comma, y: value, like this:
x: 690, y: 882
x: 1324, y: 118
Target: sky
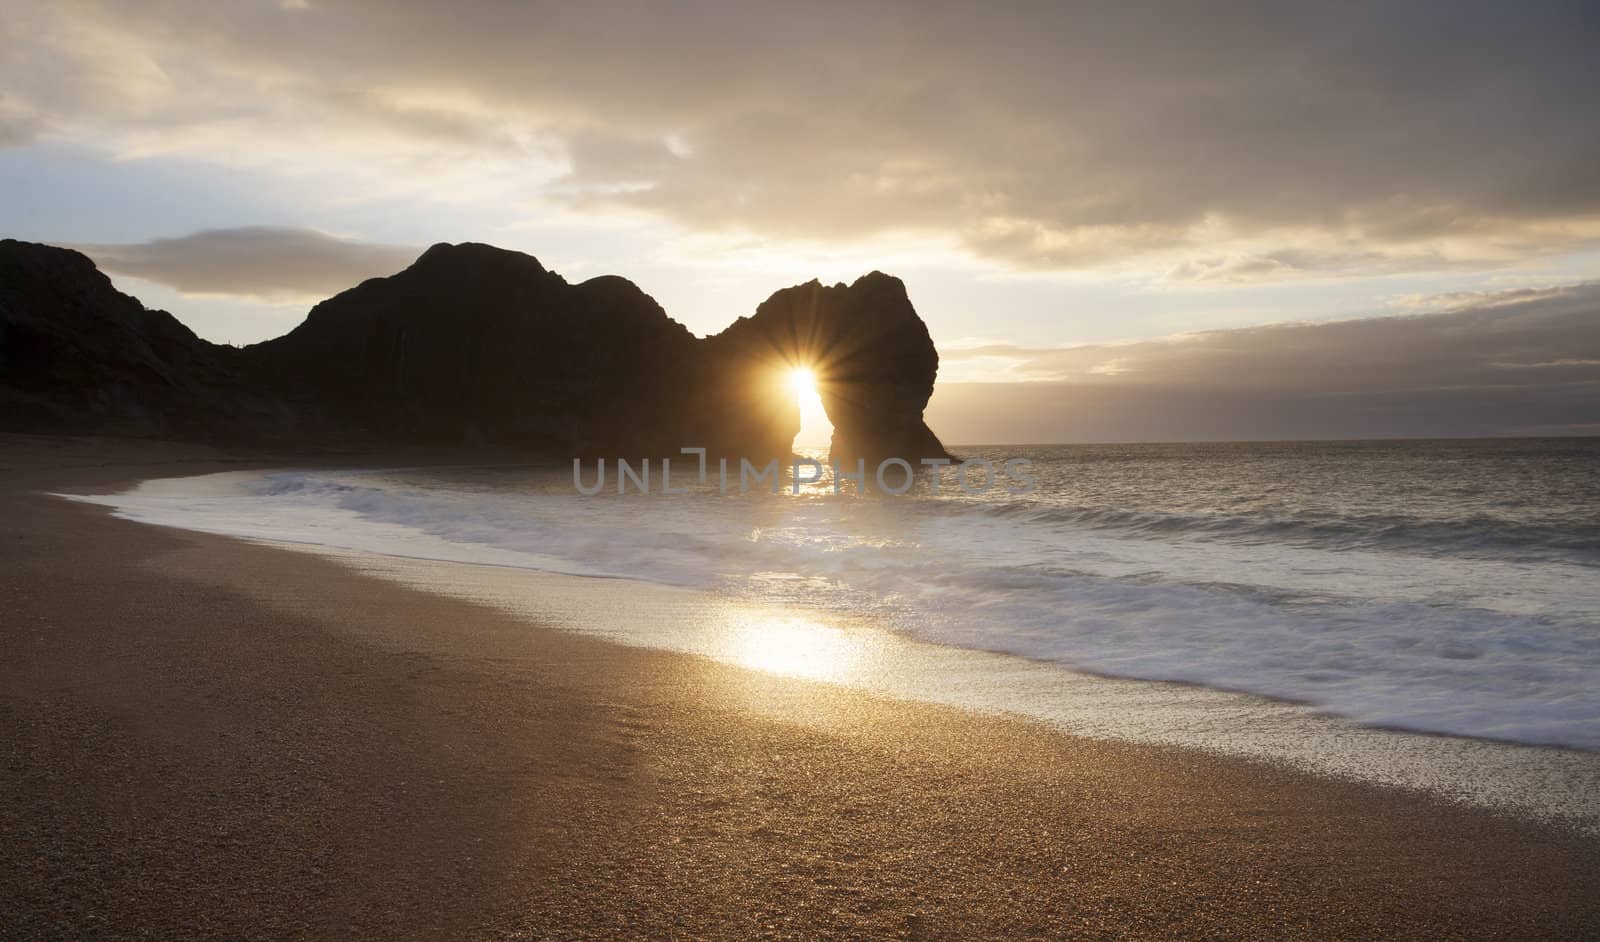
x: 1121, y: 221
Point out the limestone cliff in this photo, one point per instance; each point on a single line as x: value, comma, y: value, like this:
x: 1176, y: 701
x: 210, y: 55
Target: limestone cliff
x: 471, y: 345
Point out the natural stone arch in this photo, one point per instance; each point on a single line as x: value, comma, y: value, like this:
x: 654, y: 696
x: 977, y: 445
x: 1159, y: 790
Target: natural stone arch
x: 871, y: 354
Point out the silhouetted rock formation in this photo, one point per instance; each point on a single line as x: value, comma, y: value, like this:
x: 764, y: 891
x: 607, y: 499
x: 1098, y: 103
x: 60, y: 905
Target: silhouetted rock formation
x: 471, y: 345
x: 76, y: 355
x: 872, y: 356
x: 477, y: 345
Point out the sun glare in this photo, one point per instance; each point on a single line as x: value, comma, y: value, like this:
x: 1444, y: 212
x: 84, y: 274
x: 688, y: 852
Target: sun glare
x: 815, y: 429
x: 795, y: 647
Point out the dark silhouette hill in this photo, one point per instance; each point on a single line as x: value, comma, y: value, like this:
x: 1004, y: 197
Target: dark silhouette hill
x: 872, y: 356
x: 76, y: 355
x: 470, y: 345
x: 477, y: 345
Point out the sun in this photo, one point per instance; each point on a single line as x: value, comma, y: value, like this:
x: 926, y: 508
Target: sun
x: 815, y: 429
x: 803, y: 382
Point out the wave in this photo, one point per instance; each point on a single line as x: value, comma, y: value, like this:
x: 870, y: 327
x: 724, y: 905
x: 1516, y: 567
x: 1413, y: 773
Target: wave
x: 1478, y: 536
x: 1311, y: 611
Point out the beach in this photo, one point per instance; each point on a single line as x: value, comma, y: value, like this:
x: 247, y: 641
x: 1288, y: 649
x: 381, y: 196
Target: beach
x: 207, y: 737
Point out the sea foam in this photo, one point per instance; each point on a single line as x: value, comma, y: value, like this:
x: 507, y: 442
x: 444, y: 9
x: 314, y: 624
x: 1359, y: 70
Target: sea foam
x: 1381, y: 624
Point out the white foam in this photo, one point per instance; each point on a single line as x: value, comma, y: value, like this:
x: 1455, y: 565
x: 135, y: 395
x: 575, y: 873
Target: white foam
x: 507, y: 543
x: 1461, y: 646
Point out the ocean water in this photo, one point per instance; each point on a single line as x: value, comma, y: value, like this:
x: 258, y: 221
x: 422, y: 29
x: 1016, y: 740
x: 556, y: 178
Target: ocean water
x: 1441, y: 586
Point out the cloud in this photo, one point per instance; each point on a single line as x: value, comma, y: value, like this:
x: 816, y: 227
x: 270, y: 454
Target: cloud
x: 1462, y: 345
x: 263, y: 262
x: 15, y: 132
x: 1220, y: 142
x: 18, y: 125
x: 1292, y: 263
x: 1521, y: 362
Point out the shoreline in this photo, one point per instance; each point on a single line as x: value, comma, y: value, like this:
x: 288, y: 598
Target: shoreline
x: 1552, y: 784
x: 209, y: 736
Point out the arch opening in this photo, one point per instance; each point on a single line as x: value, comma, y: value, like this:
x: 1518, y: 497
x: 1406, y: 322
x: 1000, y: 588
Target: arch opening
x: 816, y: 429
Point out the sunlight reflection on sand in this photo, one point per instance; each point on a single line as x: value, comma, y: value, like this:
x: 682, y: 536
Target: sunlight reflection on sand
x: 825, y: 649
x: 792, y: 646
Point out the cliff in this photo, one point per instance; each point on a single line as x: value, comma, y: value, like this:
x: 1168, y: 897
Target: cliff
x: 78, y: 356
x: 470, y: 345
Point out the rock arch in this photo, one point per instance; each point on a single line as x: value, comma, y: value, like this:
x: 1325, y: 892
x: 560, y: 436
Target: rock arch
x: 873, y: 358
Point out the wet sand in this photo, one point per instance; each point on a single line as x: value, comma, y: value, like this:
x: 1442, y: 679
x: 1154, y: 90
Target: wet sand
x: 208, y: 738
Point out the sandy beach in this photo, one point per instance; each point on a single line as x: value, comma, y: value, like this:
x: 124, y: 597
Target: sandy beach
x: 210, y: 738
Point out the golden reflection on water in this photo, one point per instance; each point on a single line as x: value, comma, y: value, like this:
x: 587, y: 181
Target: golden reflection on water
x: 794, y: 647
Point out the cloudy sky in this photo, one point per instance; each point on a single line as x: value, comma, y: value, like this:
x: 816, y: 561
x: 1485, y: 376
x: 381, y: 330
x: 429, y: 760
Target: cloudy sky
x: 1185, y: 219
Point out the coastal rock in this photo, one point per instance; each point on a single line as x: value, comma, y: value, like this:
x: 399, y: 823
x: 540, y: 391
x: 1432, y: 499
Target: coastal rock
x: 78, y: 356
x: 474, y: 345
x: 471, y: 345
x: 870, y: 353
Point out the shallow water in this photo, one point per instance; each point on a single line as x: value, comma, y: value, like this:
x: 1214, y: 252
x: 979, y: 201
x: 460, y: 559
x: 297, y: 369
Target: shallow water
x: 1445, y: 587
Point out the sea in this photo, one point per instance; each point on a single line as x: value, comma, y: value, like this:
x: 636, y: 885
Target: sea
x: 1447, y: 588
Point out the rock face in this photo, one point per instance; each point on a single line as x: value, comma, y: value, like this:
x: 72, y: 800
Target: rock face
x: 477, y: 345
x: 872, y: 357
x: 76, y: 355
x: 471, y: 345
